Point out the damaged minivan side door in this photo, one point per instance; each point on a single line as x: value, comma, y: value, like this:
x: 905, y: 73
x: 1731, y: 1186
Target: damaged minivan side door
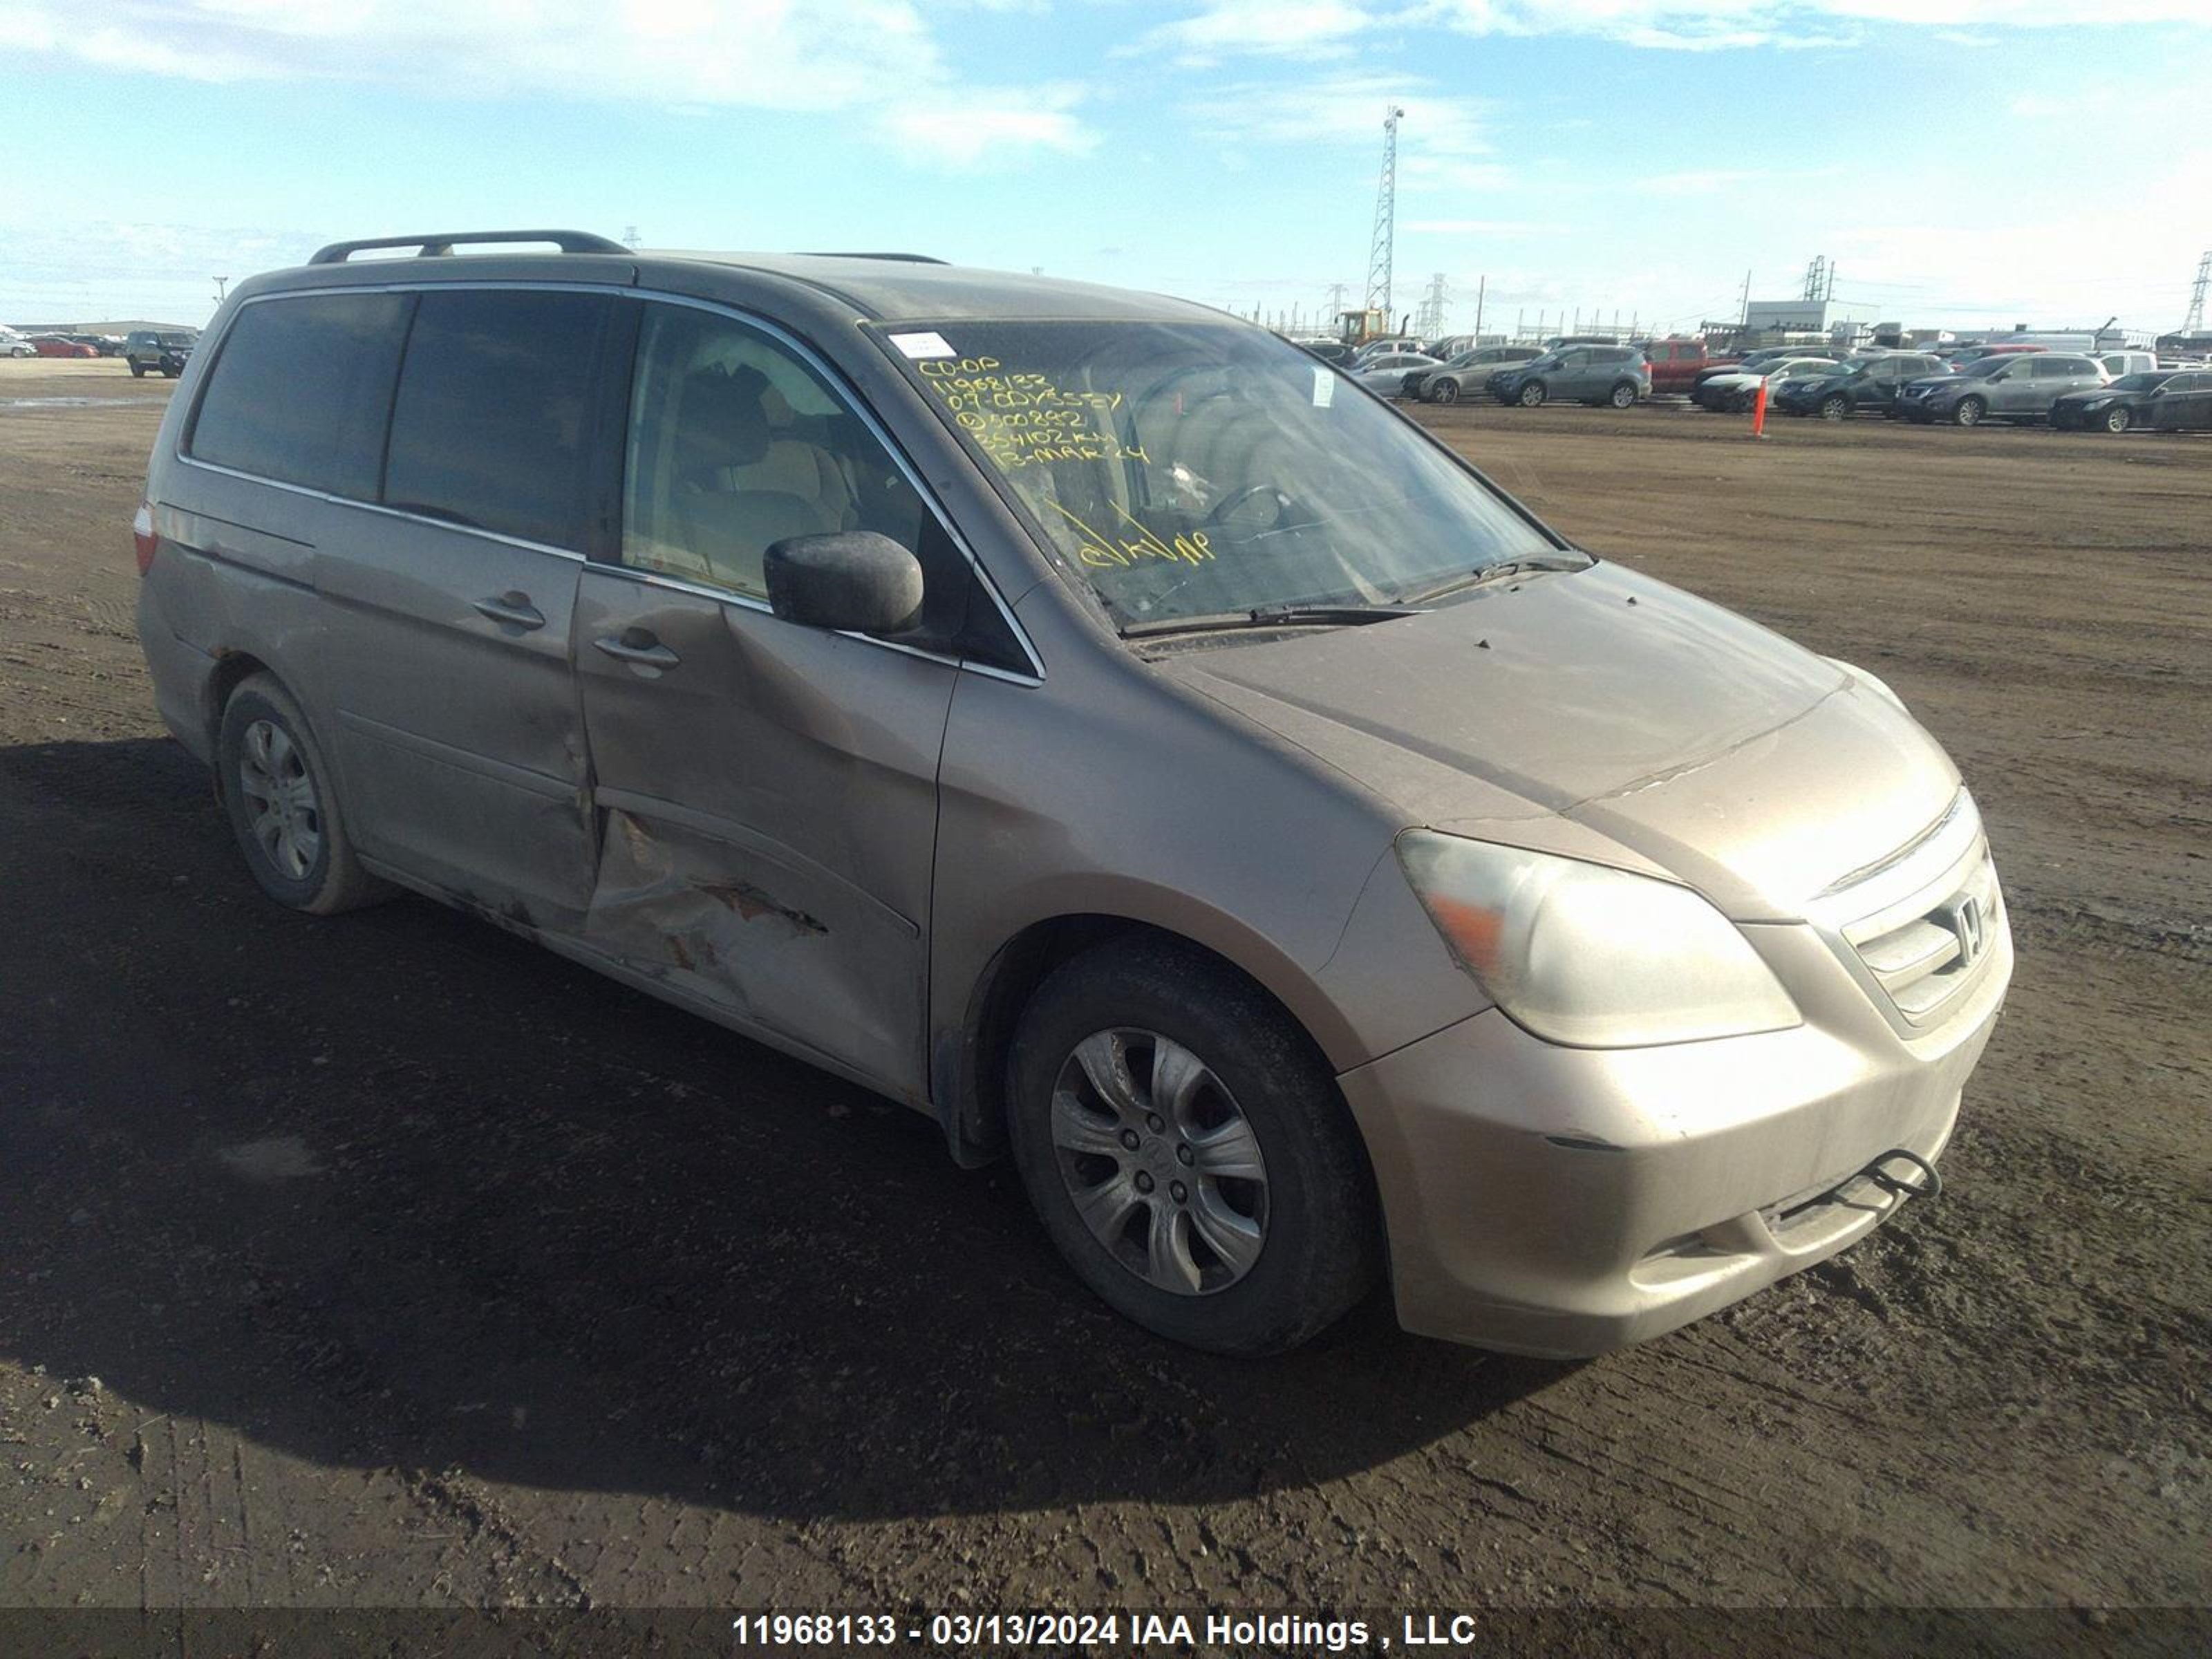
x: 768, y: 789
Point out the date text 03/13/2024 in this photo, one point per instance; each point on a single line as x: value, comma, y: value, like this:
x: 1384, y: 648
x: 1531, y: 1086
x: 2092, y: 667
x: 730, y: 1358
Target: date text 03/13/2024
x: 1138, y: 1630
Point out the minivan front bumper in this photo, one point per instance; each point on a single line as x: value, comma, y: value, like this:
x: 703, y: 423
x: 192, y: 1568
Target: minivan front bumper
x: 1568, y: 1201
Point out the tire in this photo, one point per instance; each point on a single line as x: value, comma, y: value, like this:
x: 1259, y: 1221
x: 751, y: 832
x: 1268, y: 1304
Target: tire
x: 1260, y: 1096
x: 137, y: 371
x: 295, y: 842
x: 1622, y: 396
x: 1532, y: 395
x: 1835, y: 408
x: 171, y: 374
x: 1969, y: 412
x: 2117, y: 419
x: 1444, y: 392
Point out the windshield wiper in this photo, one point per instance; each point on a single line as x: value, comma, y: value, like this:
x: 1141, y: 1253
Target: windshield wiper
x: 1491, y: 573
x: 1269, y: 616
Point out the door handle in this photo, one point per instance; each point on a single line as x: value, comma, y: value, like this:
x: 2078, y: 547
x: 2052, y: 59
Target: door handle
x: 637, y: 648
x: 512, y: 609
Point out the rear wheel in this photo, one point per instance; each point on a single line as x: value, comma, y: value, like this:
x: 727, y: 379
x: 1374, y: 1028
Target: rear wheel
x: 1444, y: 392
x: 1532, y: 395
x: 1835, y: 408
x: 1969, y: 412
x: 2117, y: 419
x: 137, y: 371
x: 283, y: 805
x: 1188, y: 1152
x: 1622, y: 396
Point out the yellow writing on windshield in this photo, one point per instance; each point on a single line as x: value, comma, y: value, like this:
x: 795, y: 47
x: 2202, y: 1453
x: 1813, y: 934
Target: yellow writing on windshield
x: 1120, y: 552
x: 1025, y: 420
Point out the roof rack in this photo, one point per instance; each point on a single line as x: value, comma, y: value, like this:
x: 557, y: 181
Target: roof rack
x: 437, y: 246
x: 842, y: 253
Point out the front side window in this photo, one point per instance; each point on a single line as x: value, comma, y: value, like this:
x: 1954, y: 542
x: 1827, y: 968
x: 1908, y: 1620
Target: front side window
x: 735, y: 443
x: 490, y: 427
x: 1194, y: 469
x: 300, y: 388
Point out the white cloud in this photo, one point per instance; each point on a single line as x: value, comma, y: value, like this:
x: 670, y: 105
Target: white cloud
x: 1273, y: 28
x: 874, y: 56
x: 979, y: 125
x: 1323, y: 27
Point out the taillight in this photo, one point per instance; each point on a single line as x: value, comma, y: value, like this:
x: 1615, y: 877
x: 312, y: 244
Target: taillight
x: 143, y: 537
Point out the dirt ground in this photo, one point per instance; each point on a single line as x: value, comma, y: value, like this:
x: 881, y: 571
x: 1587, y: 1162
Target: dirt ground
x: 388, y: 1260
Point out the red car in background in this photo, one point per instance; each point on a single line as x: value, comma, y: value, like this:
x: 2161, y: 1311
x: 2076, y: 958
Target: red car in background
x: 1676, y: 364
x: 52, y: 345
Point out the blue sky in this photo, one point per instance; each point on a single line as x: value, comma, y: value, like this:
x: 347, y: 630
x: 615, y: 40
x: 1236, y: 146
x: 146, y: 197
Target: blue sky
x: 1962, y: 162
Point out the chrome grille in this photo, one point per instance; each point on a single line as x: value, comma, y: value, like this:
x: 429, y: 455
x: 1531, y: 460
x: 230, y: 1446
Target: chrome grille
x: 1923, y: 961
x: 1917, y: 926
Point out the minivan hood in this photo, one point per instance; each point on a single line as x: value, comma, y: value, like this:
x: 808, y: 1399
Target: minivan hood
x: 1605, y: 713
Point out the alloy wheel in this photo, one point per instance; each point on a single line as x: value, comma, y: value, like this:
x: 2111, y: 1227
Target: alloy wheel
x: 283, y: 815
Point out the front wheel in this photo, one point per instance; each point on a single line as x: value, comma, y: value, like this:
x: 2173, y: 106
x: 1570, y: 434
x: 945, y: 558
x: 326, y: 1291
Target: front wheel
x: 1969, y: 412
x: 282, y: 804
x: 1624, y: 396
x: 1834, y: 409
x: 1188, y: 1152
x: 137, y: 371
x: 2118, y: 419
x: 1532, y: 395
x: 1444, y: 392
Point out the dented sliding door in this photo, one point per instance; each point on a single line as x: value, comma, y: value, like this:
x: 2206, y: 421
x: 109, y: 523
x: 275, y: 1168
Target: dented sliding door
x: 769, y: 795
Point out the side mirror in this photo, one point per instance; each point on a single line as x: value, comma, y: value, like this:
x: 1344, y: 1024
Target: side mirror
x: 852, y: 581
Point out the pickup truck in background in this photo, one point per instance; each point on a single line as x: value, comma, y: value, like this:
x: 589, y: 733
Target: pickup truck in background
x: 1676, y: 364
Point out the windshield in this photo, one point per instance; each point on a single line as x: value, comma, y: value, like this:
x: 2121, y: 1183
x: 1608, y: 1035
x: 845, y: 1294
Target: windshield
x: 1194, y: 469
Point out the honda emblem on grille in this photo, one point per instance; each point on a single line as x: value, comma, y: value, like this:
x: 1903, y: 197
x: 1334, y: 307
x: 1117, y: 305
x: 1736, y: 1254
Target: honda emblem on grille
x: 1966, y: 922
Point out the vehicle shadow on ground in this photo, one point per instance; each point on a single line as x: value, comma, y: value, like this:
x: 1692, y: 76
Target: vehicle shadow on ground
x: 397, y: 1189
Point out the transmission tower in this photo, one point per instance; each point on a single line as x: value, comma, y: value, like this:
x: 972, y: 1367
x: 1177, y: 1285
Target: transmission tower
x: 1429, y: 315
x: 1386, y: 218
x: 1820, y: 279
x: 2196, y: 319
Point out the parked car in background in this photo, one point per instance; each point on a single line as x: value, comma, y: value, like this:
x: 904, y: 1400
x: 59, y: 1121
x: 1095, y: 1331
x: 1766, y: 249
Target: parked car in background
x: 149, y: 349
x: 1966, y: 356
x: 2133, y: 400
x: 2006, y: 387
x: 1385, y: 375
x: 1676, y: 364
x: 1613, y: 374
x: 13, y: 344
x: 2184, y: 404
x: 1759, y: 362
x: 1329, y: 351
x: 1626, y: 958
x: 1843, y: 388
x: 1393, y: 345
x: 1466, y: 372
x: 2118, y: 363
x: 1732, y: 392
x: 58, y: 345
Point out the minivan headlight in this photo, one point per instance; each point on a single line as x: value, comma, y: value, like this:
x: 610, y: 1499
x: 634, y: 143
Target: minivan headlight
x: 1594, y: 958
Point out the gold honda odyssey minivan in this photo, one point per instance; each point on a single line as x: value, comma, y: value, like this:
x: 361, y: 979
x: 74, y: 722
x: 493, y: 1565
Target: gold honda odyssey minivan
x: 1095, y: 723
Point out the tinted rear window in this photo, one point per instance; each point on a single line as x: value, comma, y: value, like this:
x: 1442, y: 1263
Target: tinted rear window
x: 300, y: 390
x: 494, y: 402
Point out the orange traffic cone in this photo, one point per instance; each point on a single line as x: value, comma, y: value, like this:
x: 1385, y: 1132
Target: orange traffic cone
x: 1759, y: 410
